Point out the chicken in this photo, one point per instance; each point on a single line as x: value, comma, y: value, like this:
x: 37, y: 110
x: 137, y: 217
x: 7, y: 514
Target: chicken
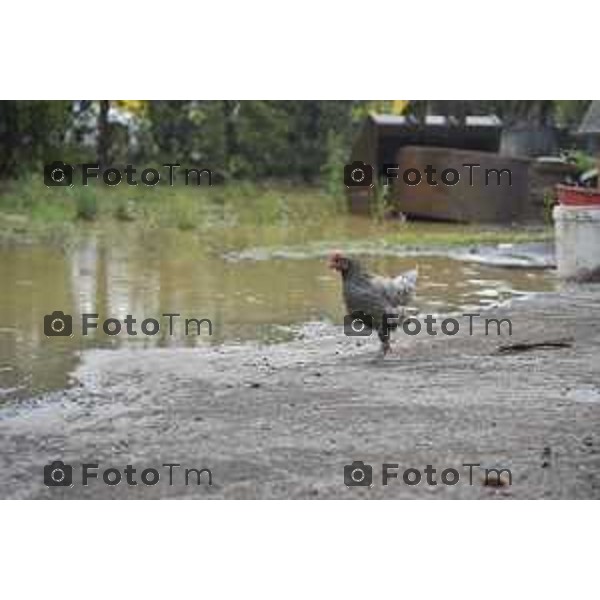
x: 374, y: 295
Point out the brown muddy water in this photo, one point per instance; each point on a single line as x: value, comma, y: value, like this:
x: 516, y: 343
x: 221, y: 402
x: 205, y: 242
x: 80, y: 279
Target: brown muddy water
x: 256, y: 293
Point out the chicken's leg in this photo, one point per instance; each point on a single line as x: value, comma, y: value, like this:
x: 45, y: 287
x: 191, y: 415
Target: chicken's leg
x: 385, y: 341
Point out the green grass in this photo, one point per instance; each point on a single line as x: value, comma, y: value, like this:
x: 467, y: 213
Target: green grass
x: 231, y: 216
x: 185, y: 208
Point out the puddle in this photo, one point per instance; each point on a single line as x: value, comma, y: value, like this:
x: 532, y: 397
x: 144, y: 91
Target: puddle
x: 265, y: 295
x: 585, y: 394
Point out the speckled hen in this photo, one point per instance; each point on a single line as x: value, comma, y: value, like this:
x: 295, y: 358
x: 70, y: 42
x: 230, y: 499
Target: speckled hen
x: 374, y: 295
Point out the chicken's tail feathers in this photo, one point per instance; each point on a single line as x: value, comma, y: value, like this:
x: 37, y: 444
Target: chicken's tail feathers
x: 409, y: 278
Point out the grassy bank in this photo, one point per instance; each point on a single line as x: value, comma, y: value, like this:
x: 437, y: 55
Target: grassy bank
x: 229, y: 216
x: 179, y: 206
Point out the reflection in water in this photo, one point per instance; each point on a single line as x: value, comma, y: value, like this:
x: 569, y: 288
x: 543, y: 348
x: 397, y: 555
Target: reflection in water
x: 32, y: 280
x: 127, y: 271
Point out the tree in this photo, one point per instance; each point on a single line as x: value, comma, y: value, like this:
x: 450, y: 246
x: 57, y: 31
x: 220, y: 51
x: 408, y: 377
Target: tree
x: 31, y: 132
x: 103, y: 133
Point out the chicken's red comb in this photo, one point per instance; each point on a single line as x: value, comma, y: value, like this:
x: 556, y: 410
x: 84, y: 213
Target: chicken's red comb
x: 334, y: 256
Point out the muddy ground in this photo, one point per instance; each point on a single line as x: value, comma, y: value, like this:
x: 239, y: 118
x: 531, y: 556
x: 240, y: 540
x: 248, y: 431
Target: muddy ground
x: 281, y: 421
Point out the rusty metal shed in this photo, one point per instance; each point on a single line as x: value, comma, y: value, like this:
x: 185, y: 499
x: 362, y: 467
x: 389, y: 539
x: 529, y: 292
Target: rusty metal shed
x: 381, y: 136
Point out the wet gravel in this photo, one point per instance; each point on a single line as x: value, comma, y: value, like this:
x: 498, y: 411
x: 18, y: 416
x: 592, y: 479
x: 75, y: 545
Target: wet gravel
x: 281, y: 421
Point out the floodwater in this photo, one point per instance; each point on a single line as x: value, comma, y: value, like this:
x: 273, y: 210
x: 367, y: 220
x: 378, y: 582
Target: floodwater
x: 249, y: 292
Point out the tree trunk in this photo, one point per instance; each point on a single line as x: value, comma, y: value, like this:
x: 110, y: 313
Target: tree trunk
x: 231, y: 142
x: 103, y: 134
x: 9, y: 140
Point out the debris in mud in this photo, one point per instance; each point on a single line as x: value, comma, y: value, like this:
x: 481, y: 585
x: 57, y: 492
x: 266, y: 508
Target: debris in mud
x: 494, y: 479
x: 527, y: 346
x: 546, y: 455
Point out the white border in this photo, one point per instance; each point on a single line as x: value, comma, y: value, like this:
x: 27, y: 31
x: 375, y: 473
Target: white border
x: 277, y: 50
x: 319, y: 549
x: 280, y: 50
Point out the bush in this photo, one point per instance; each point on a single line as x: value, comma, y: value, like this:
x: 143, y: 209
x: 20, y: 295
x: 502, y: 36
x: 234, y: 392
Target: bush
x: 332, y: 171
x: 584, y: 161
x: 86, y: 204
